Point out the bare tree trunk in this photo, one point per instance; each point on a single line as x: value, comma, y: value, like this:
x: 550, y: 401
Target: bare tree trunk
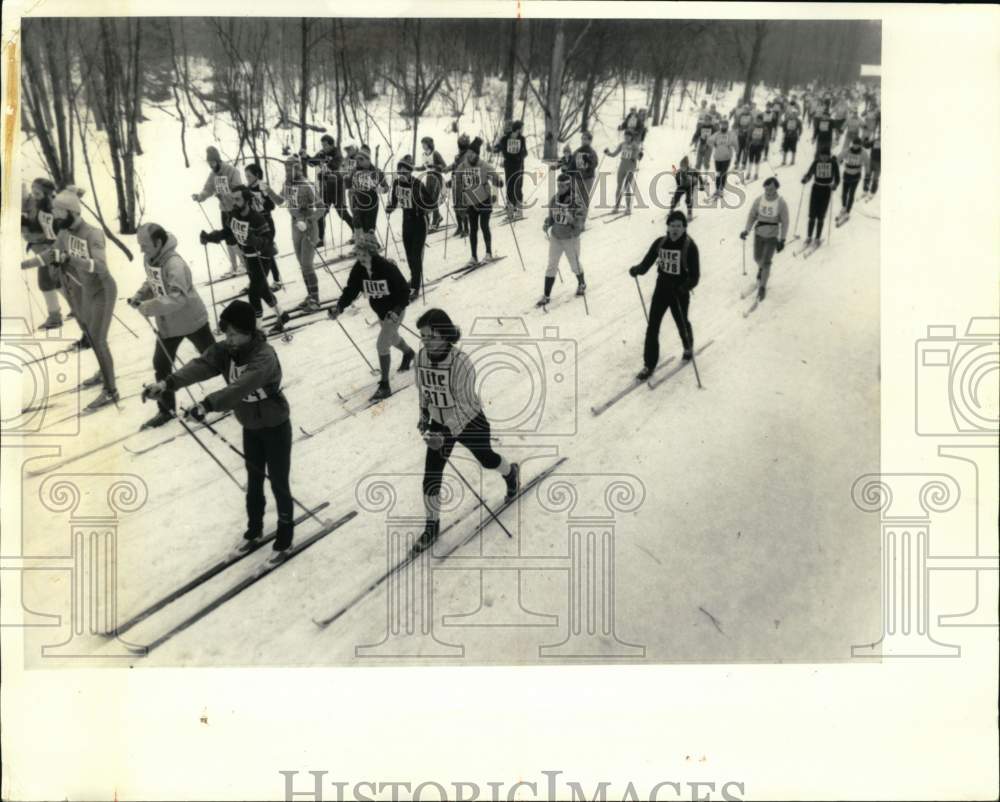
x: 588, y: 92
x: 760, y: 29
x: 554, y: 91
x: 508, y: 107
x: 657, y: 99
x: 304, y: 89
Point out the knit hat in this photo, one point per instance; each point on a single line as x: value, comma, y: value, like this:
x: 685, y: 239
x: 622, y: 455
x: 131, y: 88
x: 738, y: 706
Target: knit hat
x: 477, y: 145
x: 678, y: 216
x: 212, y: 154
x: 239, y: 315
x: 45, y: 184
x: 68, y: 199
x: 365, y: 150
x: 517, y: 125
x: 365, y: 241
x: 326, y: 139
x: 406, y: 163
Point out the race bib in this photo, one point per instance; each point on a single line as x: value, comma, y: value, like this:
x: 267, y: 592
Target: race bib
x: 436, y: 388
x: 631, y: 152
x: 221, y: 185
x: 792, y: 126
x: 45, y: 221
x: 375, y: 288
x: 364, y: 181
x: 853, y: 160
x: 155, y: 277
x: 706, y: 132
x: 757, y: 133
x: 235, y: 371
x: 824, y: 125
x: 77, y: 246
x: 468, y: 180
x: 768, y: 209
x: 513, y: 145
x: 823, y: 170
x: 257, y: 201
x: 669, y: 262
x: 405, y: 197
x: 745, y: 120
x: 581, y: 161
x: 562, y: 215
x: 292, y: 197
x: 240, y: 229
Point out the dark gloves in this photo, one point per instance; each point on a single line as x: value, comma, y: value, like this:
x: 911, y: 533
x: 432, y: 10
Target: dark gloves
x: 197, y: 412
x: 203, y: 238
x: 781, y: 245
x: 743, y: 234
x: 634, y: 271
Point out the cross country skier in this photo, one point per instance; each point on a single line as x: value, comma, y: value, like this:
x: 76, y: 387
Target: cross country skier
x: 168, y: 295
x: 366, y: 182
x: 852, y: 131
x: 724, y: 144
x: 78, y: 253
x: 450, y: 412
x: 260, y: 202
x: 643, y: 130
x: 826, y: 177
x: 252, y: 372
x: 677, y: 274
x: 328, y: 163
x: 252, y: 234
x: 631, y: 152
x: 874, y: 165
x: 855, y: 161
x: 755, y: 146
x: 435, y: 166
x: 298, y: 195
x: 769, y: 117
x: 702, y: 140
x: 631, y: 122
x: 823, y: 130
x: 768, y: 217
x: 388, y: 295
x: 743, y: 119
x: 416, y: 201
x: 566, y: 161
x: 474, y: 178
x: 222, y: 180
x: 38, y: 233
x: 687, y: 179
x: 792, y: 127
x: 514, y: 148
x: 565, y: 221
x: 461, y: 218
x: 585, y: 163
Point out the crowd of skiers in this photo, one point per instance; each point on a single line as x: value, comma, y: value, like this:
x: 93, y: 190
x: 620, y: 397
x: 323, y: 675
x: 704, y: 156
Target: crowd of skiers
x: 70, y: 256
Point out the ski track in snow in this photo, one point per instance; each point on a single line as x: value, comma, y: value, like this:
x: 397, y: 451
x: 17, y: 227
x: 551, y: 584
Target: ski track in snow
x: 789, y: 417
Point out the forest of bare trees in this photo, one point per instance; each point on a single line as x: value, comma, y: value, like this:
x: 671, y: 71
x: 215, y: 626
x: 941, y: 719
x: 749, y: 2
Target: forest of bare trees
x: 275, y: 80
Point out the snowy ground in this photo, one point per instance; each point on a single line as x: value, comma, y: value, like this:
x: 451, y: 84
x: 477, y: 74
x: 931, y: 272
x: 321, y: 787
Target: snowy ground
x: 746, y: 546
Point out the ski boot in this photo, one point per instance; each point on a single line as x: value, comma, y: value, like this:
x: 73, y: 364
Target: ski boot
x: 104, y: 399
x: 581, y: 286
x: 542, y: 302
x: 159, y: 419
x: 644, y: 374
x: 92, y: 381
x: 53, y: 321
x: 407, y: 360
x: 383, y: 391
x: 513, y: 480
x: 427, y: 537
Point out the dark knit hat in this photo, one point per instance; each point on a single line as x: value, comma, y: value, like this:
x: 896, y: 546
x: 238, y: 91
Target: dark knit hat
x: 256, y: 169
x: 239, y: 315
x: 45, y: 184
x: 212, y: 154
x: 406, y: 163
x: 678, y: 216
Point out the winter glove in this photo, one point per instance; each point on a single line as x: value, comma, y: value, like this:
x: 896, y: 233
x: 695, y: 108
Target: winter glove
x: 153, y: 391
x: 196, y: 197
x: 301, y: 225
x: 53, y: 256
x: 781, y: 245
x: 134, y: 302
x: 203, y: 238
x: 334, y: 312
x: 197, y: 412
x: 805, y: 179
x: 634, y: 271
x: 424, y: 423
x: 435, y: 439
x: 743, y: 234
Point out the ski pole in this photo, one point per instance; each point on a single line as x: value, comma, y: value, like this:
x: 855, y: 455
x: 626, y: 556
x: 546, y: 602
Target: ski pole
x: 479, y: 498
x: 349, y: 337
x: 642, y: 301
x: 510, y: 218
x: 86, y: 332
x: 829, y: 225
x: 687, y: 327
x: 744, y: 257
x: 208, y: 451
x: 797, y: 211
x: 211, y: 287
x: 447, y: 236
